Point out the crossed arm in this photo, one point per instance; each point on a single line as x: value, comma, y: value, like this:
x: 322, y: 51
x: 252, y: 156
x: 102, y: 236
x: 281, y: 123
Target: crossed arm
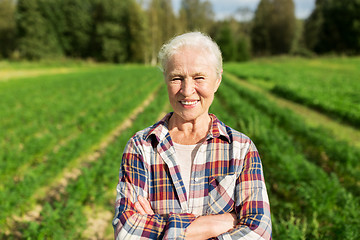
x: 135, y: 219
x: 203, y: 227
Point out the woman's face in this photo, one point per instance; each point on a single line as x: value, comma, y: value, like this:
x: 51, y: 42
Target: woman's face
x: 191, y: 81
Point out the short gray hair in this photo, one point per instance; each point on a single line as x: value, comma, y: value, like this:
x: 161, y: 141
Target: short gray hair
x: 191, y: 39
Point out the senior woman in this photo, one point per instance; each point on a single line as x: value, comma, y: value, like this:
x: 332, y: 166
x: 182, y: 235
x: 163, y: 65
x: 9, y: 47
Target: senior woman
x: 189, y: 176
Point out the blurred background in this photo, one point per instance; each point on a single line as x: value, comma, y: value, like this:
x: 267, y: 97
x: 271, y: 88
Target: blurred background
x: 133, y: 30
x: 79, y: 77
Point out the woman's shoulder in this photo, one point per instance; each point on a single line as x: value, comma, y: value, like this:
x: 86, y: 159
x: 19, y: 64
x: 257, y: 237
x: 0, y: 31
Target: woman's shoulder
x: 158, y: 129
x: 231, y: 133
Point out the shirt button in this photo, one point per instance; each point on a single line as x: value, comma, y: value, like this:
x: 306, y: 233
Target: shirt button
x: 196, y: 179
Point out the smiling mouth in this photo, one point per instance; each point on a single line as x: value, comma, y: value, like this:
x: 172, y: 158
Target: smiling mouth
x: 189, y: 103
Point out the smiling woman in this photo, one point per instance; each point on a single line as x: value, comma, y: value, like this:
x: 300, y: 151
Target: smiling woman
x: 189, y: 176
x: 191, y: 84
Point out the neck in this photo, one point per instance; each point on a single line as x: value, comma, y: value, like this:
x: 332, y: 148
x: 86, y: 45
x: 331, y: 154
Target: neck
x: 189, y: 132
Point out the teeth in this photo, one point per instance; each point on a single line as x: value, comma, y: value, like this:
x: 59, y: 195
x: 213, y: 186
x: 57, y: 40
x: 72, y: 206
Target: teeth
x: 188, y: 103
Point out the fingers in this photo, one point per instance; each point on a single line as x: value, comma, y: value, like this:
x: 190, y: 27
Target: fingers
x: 143, y: 206
x: 139, y: 208
x: 235, y: 218
x: 146, y: 205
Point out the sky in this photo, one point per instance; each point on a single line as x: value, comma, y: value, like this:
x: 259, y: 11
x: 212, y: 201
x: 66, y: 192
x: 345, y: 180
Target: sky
x: 224, y: 8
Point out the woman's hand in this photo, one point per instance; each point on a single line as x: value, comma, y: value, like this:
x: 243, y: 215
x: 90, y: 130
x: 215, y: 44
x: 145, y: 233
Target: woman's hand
x: 203, y: 227
x: 143, y: 206
x: 206, y: 227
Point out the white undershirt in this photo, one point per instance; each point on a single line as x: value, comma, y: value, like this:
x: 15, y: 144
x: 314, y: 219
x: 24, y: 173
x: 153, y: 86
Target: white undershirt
x: 185, y: 155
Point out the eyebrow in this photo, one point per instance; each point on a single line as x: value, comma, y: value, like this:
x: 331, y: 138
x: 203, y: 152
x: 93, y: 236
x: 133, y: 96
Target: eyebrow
x: 200, y: 74
x: 174, y: 74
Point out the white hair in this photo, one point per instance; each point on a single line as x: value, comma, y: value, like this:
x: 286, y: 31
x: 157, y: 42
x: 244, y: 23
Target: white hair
x: 192, y: 39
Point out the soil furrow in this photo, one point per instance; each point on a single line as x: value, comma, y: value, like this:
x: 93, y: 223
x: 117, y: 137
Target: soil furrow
x: 56, y: 188
x: 100, y: 221
x: 315, y: 119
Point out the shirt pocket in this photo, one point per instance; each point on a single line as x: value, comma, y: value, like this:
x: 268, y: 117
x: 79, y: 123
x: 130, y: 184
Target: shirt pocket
x: 221, y: 194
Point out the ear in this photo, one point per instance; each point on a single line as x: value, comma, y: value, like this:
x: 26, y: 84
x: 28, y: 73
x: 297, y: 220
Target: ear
x: 218, y: 81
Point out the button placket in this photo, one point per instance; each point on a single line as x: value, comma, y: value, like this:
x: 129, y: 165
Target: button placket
x: 194, y: 178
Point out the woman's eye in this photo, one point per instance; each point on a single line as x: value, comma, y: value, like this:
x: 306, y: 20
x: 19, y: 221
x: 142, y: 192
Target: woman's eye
x: 199, y: 78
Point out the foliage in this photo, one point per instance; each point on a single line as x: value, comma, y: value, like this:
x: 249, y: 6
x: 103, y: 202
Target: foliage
x: 133, y: 31
x: 7, y: 28
x: 232, y: 40
x: 197, y: 15
x: 111, y: 30
x: 108, y: 32
x: 37, y: 39
x: 274, y: 27
x: 134, y: 19
x: 163, y: 25
x: 260, y: 38
x: 334, y: 26
x: 226, y: 41
x: 76, y: 26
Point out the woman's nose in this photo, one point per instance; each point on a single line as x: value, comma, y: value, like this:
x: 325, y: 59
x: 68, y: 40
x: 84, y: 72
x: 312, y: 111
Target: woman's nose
x: 187, y: 87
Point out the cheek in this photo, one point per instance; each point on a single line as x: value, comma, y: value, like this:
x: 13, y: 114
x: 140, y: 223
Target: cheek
x: 172, y: 90
x: 206, y: 91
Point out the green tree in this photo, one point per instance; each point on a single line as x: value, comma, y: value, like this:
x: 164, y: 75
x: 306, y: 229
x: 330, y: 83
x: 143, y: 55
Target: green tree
x: 108, y: 31
x: 233, y: 41
x: 243, y: 48
x: 37, y: 38
x: 260, y: 36
x: 135, y: 31
x: 77, y: 26
x: 196, y: 15
x: 282, y: 26
x: 7, y: 28
x: 312, y: 27
x: 53, y: 15
x: 334, y: 26
x: 162, y: 25
x: 274, y: 27
x: 298, y: 46
x: 119, y: 31
x: 226, y: 41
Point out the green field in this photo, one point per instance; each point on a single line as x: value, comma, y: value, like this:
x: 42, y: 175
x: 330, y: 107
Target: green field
x: 64, y: 125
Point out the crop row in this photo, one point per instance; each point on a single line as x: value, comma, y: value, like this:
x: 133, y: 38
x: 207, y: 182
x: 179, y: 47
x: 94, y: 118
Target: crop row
x: 95, y: 187
x: 317, y: 144
x: 306, y: 201
x: 328, y: 85
x: 49, y: 122
x: 100, y: 115
x: 50, y: 111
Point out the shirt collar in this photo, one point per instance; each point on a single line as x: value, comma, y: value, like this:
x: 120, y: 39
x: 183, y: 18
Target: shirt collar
x: 160, y: 130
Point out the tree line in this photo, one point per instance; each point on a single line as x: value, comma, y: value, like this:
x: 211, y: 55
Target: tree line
x: 132, y: 31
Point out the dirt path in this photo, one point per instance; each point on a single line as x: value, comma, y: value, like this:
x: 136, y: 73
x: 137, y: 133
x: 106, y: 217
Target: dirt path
x: 56, y: 188
x: 7, y: 75
x: 313, y: 118
x: 99, y: 222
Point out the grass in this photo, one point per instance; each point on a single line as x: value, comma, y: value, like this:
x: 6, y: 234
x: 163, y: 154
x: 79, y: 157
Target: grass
x: 329, y: 85
x: 55, y: 112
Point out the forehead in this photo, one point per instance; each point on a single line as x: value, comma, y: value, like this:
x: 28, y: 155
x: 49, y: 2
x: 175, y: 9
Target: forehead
x: 191, y: 59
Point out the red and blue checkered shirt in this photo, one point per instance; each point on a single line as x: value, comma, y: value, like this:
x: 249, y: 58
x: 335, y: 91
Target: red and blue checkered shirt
x: 226, y: 176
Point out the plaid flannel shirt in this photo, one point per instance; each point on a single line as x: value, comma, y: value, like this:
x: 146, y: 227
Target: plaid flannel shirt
x: 226, y: 176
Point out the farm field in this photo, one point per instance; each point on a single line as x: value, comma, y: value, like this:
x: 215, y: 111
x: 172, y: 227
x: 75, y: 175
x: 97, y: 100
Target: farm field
x: 327, y: 84
x: 63, y: 128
